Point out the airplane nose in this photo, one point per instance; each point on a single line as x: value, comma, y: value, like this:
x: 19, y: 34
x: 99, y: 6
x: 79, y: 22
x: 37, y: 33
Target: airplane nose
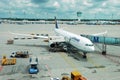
x: 93, y: 48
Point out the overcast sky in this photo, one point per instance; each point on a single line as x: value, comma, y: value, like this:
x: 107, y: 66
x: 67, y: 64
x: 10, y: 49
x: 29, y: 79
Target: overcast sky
x: 91, y: 9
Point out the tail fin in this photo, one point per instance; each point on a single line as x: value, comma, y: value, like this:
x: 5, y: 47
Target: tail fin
x: 56, y: 25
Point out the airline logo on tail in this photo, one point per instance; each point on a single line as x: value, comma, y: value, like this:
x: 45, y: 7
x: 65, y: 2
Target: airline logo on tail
x: 56, y: 25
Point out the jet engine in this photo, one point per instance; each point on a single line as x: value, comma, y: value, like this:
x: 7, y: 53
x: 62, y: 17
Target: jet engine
x: 54, y: 45
x: 58, y: 46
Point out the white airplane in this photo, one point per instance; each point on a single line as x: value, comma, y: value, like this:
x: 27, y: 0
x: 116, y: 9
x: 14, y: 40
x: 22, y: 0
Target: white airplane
x: 80, y: 43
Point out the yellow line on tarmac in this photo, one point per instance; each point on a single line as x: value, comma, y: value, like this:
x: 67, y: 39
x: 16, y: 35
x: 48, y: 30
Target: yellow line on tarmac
x: 91, y: 61
x: 95, y: 64
x: 70, y: 62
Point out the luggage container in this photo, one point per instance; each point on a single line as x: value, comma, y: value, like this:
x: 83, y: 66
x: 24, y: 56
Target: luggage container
x: 6, y: 61
x: 75, y: 75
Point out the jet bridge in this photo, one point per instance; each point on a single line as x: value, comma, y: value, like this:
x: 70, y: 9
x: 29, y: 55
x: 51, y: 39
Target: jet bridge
x: 103, y: 40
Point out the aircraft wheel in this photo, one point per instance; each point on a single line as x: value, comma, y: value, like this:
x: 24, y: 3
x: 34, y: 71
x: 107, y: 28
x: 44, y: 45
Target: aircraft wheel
x: 84, y: 55
x: 103, y: 52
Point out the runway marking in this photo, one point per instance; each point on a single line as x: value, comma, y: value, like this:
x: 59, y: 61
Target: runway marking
x: 45, y: 57
x: 91, y: 61
x: 116, y: 78
x: 68, y: 61
x: 111, y: 58
x: 95, y: 63
x: 50, y: 74
x: 1, y: 67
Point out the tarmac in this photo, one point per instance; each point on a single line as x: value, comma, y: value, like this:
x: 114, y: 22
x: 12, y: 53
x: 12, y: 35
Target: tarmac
x: 58, y: 64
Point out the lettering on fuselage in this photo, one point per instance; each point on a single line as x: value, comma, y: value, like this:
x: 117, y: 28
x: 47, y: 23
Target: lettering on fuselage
x: 74, y: 38
x: 95, y: 39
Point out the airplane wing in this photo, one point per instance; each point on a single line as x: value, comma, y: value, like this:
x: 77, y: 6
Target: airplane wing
x: 47, y: 38
x: 56, y: 39
x: 99, y: 34
x: 30, y: 35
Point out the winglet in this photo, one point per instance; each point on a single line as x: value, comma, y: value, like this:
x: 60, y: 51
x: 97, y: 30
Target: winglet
x: 56, y: 25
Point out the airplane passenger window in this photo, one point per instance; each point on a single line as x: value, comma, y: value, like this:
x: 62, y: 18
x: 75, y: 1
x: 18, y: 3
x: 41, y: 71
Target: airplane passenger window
x: 88, y: 44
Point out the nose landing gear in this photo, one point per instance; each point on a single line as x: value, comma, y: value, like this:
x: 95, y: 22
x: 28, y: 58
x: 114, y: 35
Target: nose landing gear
x: 84, y: 55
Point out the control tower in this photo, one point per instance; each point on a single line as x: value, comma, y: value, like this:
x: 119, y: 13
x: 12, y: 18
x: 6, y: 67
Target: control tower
x: 79, y: 15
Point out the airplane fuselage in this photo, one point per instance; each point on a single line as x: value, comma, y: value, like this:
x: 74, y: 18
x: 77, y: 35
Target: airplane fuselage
x: 81, y: 43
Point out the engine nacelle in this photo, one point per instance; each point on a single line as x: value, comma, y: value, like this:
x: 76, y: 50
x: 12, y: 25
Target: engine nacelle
x: 54, y: 45
x: 55, y: 41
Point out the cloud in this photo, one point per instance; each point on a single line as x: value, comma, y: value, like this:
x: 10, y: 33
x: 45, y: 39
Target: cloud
x: 61, y: 8
x: 56, y: 4
x: 86, y: 3
x: 39, y: 1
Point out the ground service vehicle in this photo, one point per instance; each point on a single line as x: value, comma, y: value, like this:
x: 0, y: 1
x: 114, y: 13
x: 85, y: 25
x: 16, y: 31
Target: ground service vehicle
x: 20, y: 54
x: 10, y: 41
x: 75, y: 75
x: 33, y: 69
x: 6, y: 61
x: 65, y: 78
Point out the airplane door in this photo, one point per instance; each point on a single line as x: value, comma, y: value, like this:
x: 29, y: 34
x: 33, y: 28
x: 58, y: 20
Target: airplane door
x: 67, y: 39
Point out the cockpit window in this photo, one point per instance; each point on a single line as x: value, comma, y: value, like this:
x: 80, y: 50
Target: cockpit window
x: 76, y: 39
x: 88, y: 44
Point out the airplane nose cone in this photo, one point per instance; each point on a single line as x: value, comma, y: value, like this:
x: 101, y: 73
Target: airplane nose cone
x: 93, y: 48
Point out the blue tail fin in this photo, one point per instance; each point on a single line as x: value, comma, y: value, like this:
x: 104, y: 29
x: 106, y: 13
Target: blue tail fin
x: 56, y: 25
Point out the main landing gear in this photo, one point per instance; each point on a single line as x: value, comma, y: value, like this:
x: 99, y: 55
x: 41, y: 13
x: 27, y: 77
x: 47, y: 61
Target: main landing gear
x: 84, y: 55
